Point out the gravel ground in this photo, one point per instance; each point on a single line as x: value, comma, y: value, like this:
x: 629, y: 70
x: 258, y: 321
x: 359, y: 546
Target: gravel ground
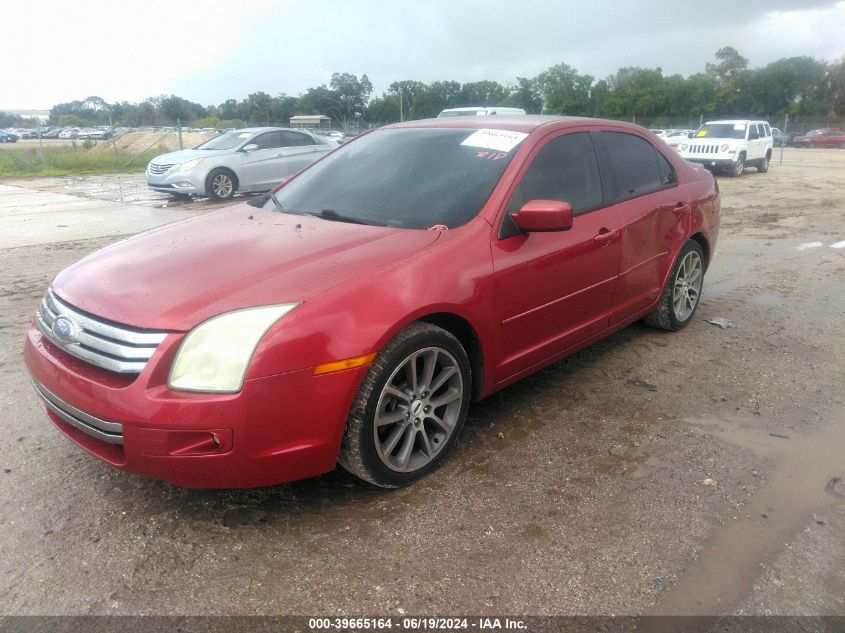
x: 573, y: 492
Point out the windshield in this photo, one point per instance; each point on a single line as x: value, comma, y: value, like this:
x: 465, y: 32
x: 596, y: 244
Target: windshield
x: 229, y: 140
x: 409, y: 178
x: 459, y: 113
x: 721, y: 130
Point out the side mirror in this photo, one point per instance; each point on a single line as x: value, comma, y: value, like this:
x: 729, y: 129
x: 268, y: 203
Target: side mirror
x: 251, y: 147
x: 543, y: 216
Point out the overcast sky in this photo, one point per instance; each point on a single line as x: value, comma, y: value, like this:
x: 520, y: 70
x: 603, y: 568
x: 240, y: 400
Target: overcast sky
x: 217, y: 49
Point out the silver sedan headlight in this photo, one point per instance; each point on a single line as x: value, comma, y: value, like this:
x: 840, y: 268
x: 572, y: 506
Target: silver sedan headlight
x: 191, y: 164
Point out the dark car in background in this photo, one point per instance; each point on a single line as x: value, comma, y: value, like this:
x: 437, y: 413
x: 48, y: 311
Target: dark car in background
x: 8, y: 137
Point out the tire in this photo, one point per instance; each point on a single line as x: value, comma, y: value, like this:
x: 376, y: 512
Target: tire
x: 811, y: 145
x: 221, y: 184
x: 405, y: 447
x: 738, y: 167
x: 842, y: 146
x: 689, y: 267
x: 763, y: 167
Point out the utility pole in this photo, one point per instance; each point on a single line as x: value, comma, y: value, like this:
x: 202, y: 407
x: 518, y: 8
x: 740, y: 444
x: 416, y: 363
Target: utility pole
x: 179, y: 129
x: 785, y: 127
x: 113, y: 141
x: 401, y: 117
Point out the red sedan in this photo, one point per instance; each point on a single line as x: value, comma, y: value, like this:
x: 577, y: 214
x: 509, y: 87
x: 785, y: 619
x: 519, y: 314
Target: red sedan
x: 352, y: 315
x: 825, y: 137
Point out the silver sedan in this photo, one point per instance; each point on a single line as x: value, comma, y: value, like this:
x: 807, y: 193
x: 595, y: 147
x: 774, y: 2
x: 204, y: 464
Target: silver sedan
x: 251, y: 159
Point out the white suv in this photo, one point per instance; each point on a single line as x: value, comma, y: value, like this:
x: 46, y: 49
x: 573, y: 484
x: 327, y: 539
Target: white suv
x: 730, y: 145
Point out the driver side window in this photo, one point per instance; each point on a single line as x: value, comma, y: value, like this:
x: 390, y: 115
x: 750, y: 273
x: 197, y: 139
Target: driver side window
x: 565, y: 169
x: 268, y: 140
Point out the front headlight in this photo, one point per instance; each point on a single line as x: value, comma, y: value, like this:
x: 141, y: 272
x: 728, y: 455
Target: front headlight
x: 684, y: 147
x: 215, y: 355
x: 189, y: 165
x: 724, y: 148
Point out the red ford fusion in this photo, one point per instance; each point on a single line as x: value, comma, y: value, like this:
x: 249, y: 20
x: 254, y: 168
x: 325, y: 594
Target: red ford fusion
x: 350, y: 316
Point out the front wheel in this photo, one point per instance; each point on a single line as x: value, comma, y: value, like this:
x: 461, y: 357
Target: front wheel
x: 410, y: 408
x: 682, y: 292
x: 738, y: 167
x: 220, y: 184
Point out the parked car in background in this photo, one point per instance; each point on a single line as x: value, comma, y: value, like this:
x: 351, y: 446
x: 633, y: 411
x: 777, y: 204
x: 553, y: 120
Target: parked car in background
x: 480, y: 111
x: 730, y: 145
x: 779, y: 139
x: 52, y: 133
x: 100, y: 134
x: 250, y: 159
x: 353, y: 314
x: 8, y: 137
x: 824, y: 137
x: 674, y: 138
x: 69, y: 133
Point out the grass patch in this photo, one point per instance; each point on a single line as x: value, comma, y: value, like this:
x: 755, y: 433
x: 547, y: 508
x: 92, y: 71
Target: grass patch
x: 68, y: 160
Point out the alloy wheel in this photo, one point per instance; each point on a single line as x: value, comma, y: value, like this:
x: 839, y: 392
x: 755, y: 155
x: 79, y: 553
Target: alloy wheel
x: 418, y: 409
x: 222, y: 186
x: 687, y: 289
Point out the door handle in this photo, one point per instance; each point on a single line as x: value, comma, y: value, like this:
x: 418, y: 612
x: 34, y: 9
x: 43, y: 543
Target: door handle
x: 605, y: 237
x: 681, y: 207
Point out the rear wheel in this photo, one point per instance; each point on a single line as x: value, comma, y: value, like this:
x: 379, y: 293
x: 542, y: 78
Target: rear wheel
x: 682, y: 292
x: 410, y: 408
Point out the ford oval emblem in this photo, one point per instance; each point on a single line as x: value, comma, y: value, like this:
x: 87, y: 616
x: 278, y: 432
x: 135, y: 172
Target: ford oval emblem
x: 64, y: 329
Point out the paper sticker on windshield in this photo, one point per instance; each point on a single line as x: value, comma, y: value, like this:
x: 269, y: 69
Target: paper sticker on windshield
x: 702, y: 133
x: 739, y: 126
x: 498, y: 140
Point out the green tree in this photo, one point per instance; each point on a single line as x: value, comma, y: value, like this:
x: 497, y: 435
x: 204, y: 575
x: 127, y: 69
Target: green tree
x: 564, y: 91
x: 349, y: 99
x: 728, y: 67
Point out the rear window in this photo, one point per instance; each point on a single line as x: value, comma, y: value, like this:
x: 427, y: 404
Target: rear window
x: 634, y: 165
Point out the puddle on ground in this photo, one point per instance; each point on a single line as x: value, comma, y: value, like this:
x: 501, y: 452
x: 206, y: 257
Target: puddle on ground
x: 728, y: 565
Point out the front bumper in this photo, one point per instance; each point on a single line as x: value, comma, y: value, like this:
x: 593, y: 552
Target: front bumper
x: 711, y: 162
x: 277, y: 429
x: 186, y: 183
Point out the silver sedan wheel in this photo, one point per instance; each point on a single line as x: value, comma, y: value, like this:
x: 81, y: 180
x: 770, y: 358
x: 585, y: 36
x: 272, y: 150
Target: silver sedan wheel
x: 222, y: 186
x: 418, y: 409
x: 687, y: 288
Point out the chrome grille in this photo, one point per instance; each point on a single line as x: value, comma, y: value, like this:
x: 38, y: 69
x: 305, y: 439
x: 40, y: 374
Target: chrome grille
x: 704, y: 149
x: 159, y: 169
x: 118, y: 348
x: 111, y: 432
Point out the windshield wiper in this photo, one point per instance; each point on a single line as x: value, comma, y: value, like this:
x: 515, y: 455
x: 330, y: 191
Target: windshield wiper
x: 331, y: 214
x: 275, y: 200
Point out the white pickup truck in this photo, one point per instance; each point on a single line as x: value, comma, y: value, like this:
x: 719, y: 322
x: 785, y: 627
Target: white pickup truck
x: 731, y: 145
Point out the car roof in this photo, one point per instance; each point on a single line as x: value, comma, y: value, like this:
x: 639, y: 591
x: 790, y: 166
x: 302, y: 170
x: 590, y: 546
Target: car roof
x: 254, y: 130
x: 526, y: 123
x: 735, y: 121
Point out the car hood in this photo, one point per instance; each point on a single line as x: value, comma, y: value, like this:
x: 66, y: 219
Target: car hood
x: 178, y: 275
x: 184, y: 155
